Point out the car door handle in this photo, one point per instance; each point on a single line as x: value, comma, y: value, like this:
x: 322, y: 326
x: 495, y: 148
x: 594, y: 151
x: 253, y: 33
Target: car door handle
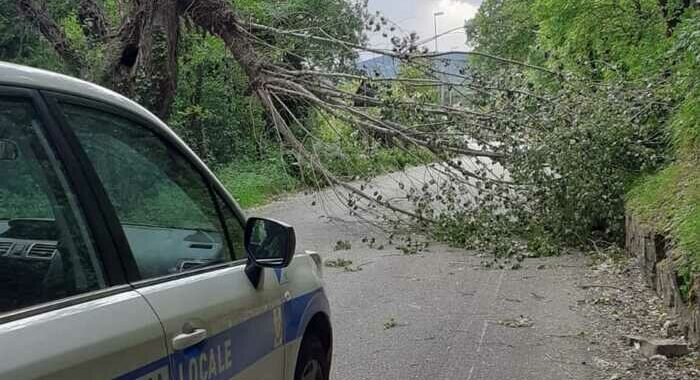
x: 184, y: 340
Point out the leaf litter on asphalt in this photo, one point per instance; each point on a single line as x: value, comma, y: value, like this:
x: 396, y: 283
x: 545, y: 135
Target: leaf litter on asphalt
x: 520, y: 322
x: 338, y: 263
x: 342, y: 245
x: 390, y: 324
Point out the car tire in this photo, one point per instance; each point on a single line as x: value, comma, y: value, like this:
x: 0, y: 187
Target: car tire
x: 312, y: 363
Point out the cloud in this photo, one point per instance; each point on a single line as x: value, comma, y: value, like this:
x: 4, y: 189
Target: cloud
x: 475, y: 3
x: 417, y: 15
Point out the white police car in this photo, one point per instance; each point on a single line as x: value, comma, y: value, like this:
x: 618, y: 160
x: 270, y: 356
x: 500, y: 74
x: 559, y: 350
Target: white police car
x: 123, y: 257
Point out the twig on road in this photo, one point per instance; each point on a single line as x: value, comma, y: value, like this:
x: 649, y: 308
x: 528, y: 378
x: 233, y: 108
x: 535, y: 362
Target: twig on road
x: 564, y: 336
x: 591, y: 286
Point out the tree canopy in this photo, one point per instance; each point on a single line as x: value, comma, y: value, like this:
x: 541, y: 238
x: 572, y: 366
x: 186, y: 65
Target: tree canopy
x: 558, y: 109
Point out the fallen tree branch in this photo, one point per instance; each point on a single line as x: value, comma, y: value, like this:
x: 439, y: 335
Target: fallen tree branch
x: 288, y: 135
x: 393, y: 54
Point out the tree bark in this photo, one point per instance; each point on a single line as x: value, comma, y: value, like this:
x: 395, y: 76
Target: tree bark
x: 141, y: 60
x: 93, y: 21
x: 39, y: 15
x: 156, y: 64
x: 121, y: 51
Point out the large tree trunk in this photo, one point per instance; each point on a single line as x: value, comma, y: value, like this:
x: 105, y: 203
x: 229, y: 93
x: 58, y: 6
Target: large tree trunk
x: 141, y: 60
x: 156, y: 63
x: 140, y: 56
x: 141, y: 63
x: 93, y: 21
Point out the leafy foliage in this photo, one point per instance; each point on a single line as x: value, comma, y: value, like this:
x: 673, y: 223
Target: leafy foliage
x: 211, y: 111
x: 214, y: 110
x: 503, y: 28
x: 586, y: 152
x: 622, y: 105
x: 20, y: 43
x: 330, y: 18
x: 669, y: 200
x: 540, y: 151
x: 253, y: 183
x: 602, y: 39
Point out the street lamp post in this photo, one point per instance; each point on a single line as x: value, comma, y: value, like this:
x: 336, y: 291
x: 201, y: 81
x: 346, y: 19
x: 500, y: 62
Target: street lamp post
x: 435, y: 16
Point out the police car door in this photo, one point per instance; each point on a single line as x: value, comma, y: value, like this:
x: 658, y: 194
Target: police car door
x: 66, y: 311
x: 186, y: 248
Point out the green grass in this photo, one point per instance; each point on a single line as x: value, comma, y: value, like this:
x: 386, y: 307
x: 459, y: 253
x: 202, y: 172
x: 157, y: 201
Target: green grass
x: 670, y: 202
x: 254, y: 183
x: 670, y: 199
x: 685, y: 126
x: 353, y: 162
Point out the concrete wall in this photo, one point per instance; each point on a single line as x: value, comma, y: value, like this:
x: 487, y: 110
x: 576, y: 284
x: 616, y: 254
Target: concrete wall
x: 659, y: 263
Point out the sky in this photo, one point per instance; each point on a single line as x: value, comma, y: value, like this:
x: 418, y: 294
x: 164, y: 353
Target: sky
x: 417, y: 15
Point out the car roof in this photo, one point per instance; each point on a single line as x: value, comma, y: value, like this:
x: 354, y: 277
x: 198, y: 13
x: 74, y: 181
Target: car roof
x: 29, y: 77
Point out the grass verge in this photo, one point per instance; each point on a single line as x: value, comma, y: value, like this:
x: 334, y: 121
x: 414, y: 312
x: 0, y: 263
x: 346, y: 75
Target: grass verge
x: 669, y: 201
x: 254, y: 183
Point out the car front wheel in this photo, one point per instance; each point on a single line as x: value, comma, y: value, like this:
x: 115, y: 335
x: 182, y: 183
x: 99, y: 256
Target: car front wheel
x: 312, y: 363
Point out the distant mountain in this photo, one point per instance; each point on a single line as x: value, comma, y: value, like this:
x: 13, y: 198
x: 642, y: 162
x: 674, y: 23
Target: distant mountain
x: 381, y: 66
x: 388, y: 67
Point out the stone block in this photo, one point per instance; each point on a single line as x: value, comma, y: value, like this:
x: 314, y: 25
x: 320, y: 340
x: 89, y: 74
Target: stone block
x: 650, y: 347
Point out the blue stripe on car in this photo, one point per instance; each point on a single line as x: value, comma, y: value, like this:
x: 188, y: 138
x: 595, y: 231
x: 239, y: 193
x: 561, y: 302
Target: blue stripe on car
x: 149, y: 371
x: 226, y: 354
x: 293, y: 311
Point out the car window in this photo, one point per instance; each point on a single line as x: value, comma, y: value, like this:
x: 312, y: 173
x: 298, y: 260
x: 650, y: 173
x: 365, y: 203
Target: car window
x: 46, y: 252
x: 164, y: 205
x: 234, y: 228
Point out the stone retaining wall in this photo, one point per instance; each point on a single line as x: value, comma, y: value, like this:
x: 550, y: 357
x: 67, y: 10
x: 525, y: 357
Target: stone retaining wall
x: 659, y: 263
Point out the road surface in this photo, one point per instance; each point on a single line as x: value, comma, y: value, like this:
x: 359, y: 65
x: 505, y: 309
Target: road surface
x: 448, y: 317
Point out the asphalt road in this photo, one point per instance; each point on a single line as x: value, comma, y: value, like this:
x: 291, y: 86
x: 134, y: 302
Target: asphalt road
x: 453, y: 318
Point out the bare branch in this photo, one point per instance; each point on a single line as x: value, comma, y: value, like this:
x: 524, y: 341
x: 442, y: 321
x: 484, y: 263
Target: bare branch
x: 289, y: 136
x: 492, y: 57
x: 400, y: 55
x: 392, y: 128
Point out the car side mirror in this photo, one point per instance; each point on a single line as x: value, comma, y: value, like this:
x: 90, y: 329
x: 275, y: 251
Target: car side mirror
x: 270, y: 244
x: 8, y: 150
